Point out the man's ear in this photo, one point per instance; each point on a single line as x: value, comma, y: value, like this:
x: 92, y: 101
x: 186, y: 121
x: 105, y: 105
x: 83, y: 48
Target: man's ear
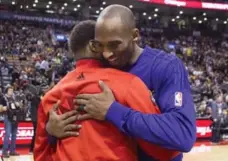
x: 136, y: 35
x: 92, y: 46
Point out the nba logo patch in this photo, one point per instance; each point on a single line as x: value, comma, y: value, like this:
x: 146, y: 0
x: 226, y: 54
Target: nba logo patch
x: 178, y: 99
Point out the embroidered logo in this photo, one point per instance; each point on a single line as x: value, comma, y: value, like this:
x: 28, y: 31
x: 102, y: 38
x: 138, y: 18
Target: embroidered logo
x: 178, y: 99
x: 81, y: 77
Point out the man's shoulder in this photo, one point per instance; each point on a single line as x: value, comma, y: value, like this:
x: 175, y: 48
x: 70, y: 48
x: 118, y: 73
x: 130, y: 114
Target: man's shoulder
x: 159, y: 56
x: 63, y: 81
x: 158, y: 64
x: 156, y: 61
x: 70, y: 75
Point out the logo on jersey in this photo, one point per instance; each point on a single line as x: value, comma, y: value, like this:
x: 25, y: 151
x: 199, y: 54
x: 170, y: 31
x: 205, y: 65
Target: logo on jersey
x: 178, y: 99
x: 81, y: 77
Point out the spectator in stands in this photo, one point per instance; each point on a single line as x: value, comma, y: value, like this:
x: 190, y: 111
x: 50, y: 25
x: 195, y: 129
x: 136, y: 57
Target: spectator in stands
x: 226, y: 99
x: 203, y: 110
x: 4, y: 72
x: 44, y: 66
x: 15, y: 74
x: 22, y: 57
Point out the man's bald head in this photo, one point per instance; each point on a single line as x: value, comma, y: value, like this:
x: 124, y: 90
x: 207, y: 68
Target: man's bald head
x: 116, y: 35
x: 118, y: 12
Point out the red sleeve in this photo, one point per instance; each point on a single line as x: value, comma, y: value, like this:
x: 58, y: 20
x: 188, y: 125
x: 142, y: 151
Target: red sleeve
x: 42, y: 150
x: 140, y: 99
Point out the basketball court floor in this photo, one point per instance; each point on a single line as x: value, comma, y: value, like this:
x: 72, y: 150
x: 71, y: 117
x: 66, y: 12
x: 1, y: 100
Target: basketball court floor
x: 200, y: 152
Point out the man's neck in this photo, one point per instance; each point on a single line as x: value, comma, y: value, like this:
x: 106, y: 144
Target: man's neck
x: 137, y: 52
x: 89, y: 62
x: 85, y: 53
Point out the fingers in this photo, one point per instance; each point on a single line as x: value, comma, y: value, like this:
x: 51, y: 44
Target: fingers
x: 70, y: 134
x: 68, y: 114
x: 56, y: 106
x: 81, y: 101
x: 103, y: 86
x: 70, y: 120
x: 87, y: 109
x: 84, y: 96
x: 53, y: 111
x: 84, y: 117
x: 75, y: 105
x: 72, y: 128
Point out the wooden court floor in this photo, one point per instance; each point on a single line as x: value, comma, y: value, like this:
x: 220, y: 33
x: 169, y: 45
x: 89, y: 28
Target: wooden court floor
x: 198, y: 153
x: 207, y: 153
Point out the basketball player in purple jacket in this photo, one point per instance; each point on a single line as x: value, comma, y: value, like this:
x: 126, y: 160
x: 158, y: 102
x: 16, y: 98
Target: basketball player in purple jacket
x: 165, y: 75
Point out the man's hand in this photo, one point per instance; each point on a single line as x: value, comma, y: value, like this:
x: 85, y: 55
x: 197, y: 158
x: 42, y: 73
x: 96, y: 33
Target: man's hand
x: 96, y: 105
x: 62, y: 126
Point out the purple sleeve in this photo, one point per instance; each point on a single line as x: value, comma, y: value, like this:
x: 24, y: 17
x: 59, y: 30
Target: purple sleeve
x: 52, y: 140
x: 173, y: 129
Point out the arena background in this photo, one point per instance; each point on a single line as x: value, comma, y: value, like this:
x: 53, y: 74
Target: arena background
x: 34, y: 33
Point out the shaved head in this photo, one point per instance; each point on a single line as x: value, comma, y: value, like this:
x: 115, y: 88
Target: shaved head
x: 116, y: 35
x: 120, y: 12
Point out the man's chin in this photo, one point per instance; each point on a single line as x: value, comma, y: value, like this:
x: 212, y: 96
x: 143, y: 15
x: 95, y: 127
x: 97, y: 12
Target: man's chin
x: 113, y: 64
x: 117, y: 66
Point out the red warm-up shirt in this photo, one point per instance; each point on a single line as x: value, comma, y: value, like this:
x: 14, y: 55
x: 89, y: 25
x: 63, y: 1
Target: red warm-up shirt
x: 98, y: 140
